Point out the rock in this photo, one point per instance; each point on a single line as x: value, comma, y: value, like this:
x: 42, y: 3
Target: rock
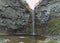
x: 21, y: 42
x: 58, y: 41
x: 41, y: 11
x: 13, y: 14
x: 6, y: 40
x: 22, y: 37
x: 48, y: 11
x: 47, y: 8
x: 2, y: 40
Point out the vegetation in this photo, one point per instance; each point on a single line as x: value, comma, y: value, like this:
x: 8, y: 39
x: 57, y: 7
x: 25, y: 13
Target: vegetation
x: 51, y: 40
x: 53, y: 25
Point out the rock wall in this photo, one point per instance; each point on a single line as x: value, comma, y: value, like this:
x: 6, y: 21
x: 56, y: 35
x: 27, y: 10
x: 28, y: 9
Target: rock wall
x: 13, y: 15
x: 48, y: 11
x: 47, y: 8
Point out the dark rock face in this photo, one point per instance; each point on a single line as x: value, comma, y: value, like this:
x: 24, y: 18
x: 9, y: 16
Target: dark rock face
x: 47, y: 8
x: 42, y: 13
x: 13, y: 14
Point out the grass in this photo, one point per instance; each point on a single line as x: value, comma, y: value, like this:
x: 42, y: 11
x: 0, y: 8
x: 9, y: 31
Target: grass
x: 51, y: 41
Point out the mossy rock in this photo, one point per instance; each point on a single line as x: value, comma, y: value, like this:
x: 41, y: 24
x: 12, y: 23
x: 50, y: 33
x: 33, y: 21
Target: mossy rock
x: 53, y: 25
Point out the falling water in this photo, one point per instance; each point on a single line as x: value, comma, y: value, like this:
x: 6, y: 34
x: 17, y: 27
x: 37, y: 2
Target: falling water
x: 33, y: 23
x: 32, y: 3
x: 33, y: 27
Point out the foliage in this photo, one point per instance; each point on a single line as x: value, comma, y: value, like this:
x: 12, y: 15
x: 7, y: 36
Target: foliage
x: 51, y: 41
x: 53, y: 25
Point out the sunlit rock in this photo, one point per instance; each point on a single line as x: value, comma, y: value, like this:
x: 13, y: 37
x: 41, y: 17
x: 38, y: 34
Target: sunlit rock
x: 2, y: 40
x: 22, y: 37
x: 21, y: 42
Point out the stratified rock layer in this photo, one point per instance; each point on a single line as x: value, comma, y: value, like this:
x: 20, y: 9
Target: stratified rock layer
x: 48, y: 12
x: 47, y: 8
x: 13, y: 15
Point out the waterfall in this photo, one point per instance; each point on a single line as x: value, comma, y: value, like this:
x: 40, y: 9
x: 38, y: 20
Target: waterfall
x: 33, y: 23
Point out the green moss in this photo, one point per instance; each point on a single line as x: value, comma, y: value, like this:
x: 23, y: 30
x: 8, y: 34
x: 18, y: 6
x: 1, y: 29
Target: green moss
x: 54, y: 22
x: 53, y: 25
x: 51, y: 41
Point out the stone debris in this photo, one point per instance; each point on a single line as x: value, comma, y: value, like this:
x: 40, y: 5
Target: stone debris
x: 22, y: 37
x: 58, y: 41
x: 4, y: 40
x: 21, y: 42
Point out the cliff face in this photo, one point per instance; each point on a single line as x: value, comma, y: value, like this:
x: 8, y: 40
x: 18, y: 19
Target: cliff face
x: 48, y: 7
x: 48, y: 11
x: 14, y: 14
x: 41, y: 11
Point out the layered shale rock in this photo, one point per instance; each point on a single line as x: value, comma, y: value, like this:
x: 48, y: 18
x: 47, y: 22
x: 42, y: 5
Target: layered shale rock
x: 14, y: 14
x: 48, y: 11
x: 47, y: 8
x: 41, y: 11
